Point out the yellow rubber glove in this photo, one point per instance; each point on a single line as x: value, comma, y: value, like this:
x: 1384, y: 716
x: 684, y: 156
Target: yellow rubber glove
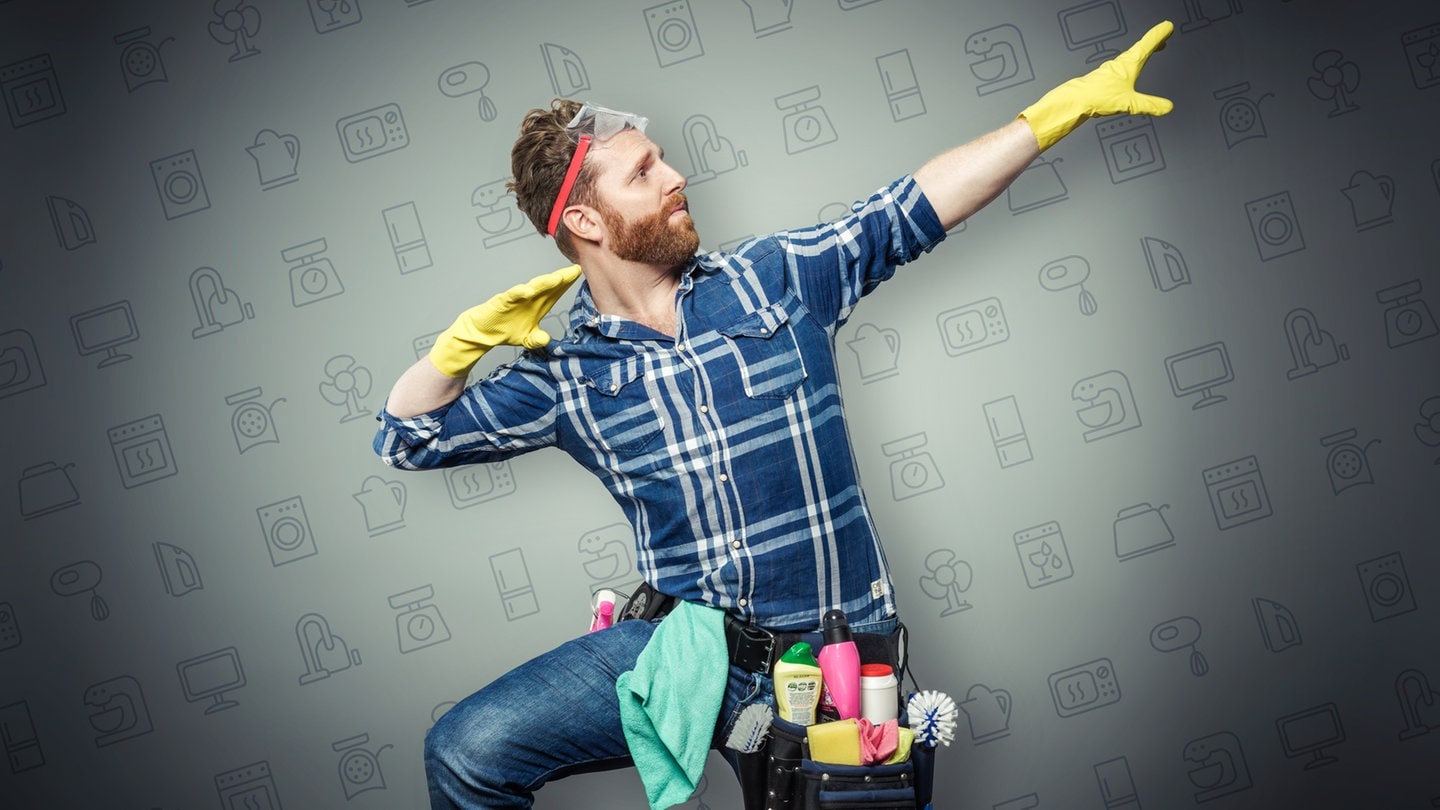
x: 511, y: 318
x: 1106, y: 90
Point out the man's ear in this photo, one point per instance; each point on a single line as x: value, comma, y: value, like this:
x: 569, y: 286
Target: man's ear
x: 584, y: 222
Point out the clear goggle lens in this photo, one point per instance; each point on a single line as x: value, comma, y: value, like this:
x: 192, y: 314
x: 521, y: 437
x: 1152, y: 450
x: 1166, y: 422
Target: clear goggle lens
x: 603, y: 123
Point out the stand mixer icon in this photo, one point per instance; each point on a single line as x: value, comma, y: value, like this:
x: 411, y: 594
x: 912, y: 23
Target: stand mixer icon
x: 1003, y: 60
x: 1220, y: 767
x: 1110, y: 405
x: 503, y: 224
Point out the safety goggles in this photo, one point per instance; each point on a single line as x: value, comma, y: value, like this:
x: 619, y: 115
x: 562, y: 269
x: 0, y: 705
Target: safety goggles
x: 592, y: 123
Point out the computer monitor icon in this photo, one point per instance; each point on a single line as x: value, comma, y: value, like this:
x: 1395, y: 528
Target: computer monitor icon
x: 1198, y: 371
x: 1311, y: 732
x: 210, y: 676
x: 1090, y: 25
x: 105, y: 329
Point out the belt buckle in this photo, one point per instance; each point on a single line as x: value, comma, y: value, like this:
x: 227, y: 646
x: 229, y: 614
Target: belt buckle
x: 753, y: 648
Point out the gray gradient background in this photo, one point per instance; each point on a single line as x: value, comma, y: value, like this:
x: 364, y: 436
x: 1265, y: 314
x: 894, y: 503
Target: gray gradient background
x: 1358, y: 635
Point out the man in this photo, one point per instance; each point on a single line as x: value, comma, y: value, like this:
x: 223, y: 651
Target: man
x: 702, y: 391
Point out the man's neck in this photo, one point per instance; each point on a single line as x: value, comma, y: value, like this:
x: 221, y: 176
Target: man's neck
x: 634, y: 291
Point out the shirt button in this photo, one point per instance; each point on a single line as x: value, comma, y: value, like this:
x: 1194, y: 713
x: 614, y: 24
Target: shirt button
x: 735, y: 544
x: 614, y: 387
x: 704, y: 409
x: 724, y: 478
x: 743, y: 602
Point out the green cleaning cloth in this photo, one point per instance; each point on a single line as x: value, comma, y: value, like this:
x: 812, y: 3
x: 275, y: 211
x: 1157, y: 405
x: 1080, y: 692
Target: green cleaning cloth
x: 669, y: 702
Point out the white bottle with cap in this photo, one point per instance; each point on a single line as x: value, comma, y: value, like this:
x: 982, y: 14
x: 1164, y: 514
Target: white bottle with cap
x: 879, y: 693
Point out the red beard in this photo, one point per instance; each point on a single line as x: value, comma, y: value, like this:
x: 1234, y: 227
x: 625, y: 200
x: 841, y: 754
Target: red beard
x: 653, y: 239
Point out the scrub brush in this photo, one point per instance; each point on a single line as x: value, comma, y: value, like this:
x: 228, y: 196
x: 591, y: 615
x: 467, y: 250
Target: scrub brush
x: 932, y: 717
x: 751, y: 728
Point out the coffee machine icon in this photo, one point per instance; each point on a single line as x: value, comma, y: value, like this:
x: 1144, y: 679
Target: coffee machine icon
x: 277, y: 158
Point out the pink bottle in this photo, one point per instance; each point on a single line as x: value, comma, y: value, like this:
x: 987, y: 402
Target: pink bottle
x: 840, y: 665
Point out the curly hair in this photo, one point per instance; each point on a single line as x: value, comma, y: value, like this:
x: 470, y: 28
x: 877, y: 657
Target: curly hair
x: 538, y: 162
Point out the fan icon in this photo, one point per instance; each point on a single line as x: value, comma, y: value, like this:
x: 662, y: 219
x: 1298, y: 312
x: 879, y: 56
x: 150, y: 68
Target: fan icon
x: 949, y: 577
x: 1428, y: 429
x: 1334, y: 80
x: 234, y: 24
x: 345, y: 383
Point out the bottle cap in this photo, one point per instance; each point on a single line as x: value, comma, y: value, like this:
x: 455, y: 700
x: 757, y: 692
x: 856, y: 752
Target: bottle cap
x: 876, y: 671
x: 800, y: 653
x: 836, y: 627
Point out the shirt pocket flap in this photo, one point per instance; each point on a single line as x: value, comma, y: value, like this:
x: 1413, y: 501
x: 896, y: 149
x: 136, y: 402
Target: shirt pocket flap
x: 761, y: 323
x: 610, y: 379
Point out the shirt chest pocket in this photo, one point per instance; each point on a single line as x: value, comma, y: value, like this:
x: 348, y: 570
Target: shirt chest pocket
x: 619, y: 413
x: 764, y: 345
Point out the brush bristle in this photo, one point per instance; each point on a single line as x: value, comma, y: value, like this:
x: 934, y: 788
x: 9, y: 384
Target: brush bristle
x: 932, y: 717
x: 751, y: 728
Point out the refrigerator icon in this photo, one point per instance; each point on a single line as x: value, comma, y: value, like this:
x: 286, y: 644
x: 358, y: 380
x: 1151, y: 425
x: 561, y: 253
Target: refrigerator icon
x: 407, y: 238
x: 517, y: 591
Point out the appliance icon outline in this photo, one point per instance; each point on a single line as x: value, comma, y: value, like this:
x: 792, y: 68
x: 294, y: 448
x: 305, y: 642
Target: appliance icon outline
x: 373, y: 132
x: 1131, y: 147
x: 324, y: 652
x: 1418, y: 704
x: 1007, y: 432
x: 277, y: 158
x: 1335, y: 79
x: 78, y: 579
x: 1044, y: 557
x: 419, y: 623
x: 988, y: 713
x: 711, y: 155
x: 512, y: 578
x: 105, y: 329
x: 1069, y: 272
x: 1140, y: 529
x: 20, y: 367
x: 20, y: 739
x: 1427, y: 430
x: 1237, y: 492
x: 1371, y: 198
x: 948, y: 578
x: 117, y: 710
x: 383, y: 503
x: 466, y: 78
x: 1422, y: 54
x: 210, y: 676
x: 973, y: 326
x: 473, y: 484
x: 73, y: 229
x: 1179, y: 634
x: 901, y: 85
x: 568, y: 77
x: 1084, y: 687
x: 32, y: 90
x: 805, y: 127
x: 1311, y: 348
x: 1407, y: 317
x: 605, y: 554
x: 1309, y: 732
x: 235, y: 25
x: 1168, y: 269
x: 10, y: 637
x: 286, y: 530
x: 1039, y: 185
x: 47, y: 488
x: 768, y: 18
x: 912, y: 469
x: 407, y: 237
x: 340, y: 14
x: 1386, y: 587
x: 1197, y: 17
x: 312, y: 276
x: 673, y: 33
x: 140, y: 60
x: 502, y: 223
x: 1279, y: 629
x: 142, y: 451
x: 216, y: 305
x: 1240, y: 119
x: 1090, y: 25
x: 180, y: 184
x: 359, y: 767
x: 1346, y: 461
x: 1003, y: 44
x: 248, y: 787
x: 251, y: 422
x: 1117, y: 785
x: 1220, y: 768
x: 877, y: 352
x: 1199, y: 370
x: 1275, y: 226
x: 1109, y: 406
x: 178, y: 569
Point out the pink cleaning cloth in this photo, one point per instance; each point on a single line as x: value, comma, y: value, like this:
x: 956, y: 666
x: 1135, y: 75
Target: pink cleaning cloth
x: 877, y: 742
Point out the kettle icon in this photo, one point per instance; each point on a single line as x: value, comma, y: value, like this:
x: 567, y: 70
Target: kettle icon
x: 277, y: 158
x: 1371, y: 199
x: 384, y: 504
x: 989, y: 712
x: 878, y: 351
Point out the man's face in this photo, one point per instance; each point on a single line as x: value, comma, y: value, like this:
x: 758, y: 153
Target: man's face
x: 642, y: 205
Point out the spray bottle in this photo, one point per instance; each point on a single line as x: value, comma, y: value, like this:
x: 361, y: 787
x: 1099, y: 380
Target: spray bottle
x: 840, y: 665
x: 797, y: 685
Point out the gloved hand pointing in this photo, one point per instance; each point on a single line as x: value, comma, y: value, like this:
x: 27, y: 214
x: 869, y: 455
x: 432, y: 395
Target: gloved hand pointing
x: 511, y: 318
x: 1107, y: 90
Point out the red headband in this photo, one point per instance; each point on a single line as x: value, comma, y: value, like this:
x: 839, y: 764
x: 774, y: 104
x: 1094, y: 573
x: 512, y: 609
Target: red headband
x: 570, y: 175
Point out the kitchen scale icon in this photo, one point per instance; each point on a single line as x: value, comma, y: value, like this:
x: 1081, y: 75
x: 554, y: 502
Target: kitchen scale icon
x: 1407, y: 318
x: 419, y: 624
x: 912, y: 471
x: 805, y: 127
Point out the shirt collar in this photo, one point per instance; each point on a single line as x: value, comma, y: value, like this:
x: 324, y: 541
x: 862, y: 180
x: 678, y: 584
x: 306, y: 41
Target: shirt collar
x: 584, y: 316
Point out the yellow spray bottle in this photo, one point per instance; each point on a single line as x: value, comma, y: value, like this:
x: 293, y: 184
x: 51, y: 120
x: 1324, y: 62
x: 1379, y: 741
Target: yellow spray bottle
x: 797, y: 685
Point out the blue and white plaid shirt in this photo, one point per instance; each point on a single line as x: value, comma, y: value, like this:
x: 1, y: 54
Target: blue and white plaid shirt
x: 726, y: 446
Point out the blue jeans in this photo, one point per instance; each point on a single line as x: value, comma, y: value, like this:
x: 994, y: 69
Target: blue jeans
x: 557, y: 715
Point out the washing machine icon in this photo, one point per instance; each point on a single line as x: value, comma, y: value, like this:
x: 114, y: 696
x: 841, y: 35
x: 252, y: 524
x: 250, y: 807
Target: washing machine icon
x: 806, y: 127
x: 287, y: 531
x: 180, y: 184
x: 140, y: 60
x: 251, y: 421
x: 1240, y: 114
x: 913, y: 471
x: 1346, y: 462
x: 1386, y: 586
x: 673, y: 32
x: 359, y: 768
x: 1276, y: 228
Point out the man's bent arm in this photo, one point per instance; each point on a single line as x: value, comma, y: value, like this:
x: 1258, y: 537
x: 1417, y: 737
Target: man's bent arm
x: 422, y: 389
x: 965, y: 179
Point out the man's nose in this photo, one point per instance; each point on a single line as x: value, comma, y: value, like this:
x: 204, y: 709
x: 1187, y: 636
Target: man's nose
x: 674, y: 181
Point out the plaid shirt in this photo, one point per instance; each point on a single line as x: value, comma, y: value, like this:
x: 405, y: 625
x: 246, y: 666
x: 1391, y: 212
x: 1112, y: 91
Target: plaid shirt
x: 725, y: 446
